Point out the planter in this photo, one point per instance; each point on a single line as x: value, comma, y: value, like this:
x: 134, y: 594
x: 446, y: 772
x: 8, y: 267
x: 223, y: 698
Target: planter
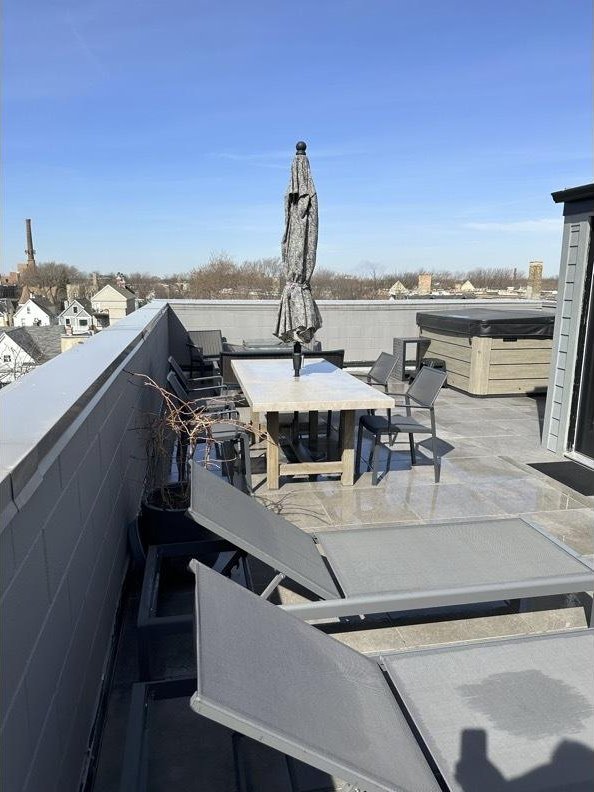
x: 160, y: 523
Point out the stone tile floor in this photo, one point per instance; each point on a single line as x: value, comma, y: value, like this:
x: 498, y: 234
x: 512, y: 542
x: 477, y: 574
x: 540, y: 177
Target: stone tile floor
x: 486, y: 445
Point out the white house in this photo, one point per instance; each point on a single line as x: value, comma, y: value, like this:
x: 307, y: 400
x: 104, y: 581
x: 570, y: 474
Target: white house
x: 77, y: 315
x: 112, y: 303
x: 34, y: 313
x: 24, y: 348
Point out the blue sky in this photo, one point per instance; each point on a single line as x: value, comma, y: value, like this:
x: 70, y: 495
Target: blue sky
x: 144, y: 134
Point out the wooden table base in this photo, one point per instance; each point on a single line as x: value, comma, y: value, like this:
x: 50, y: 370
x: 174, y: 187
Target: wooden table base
x: 345, y: 465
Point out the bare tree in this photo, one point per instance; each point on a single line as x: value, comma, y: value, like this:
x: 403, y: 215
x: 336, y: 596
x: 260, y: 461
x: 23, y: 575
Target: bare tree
x: 50, y: 280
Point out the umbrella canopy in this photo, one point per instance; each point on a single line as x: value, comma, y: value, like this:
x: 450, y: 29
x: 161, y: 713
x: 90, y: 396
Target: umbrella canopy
x: 298, y: 315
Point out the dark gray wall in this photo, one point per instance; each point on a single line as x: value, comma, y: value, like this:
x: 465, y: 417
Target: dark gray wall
x: 69, y: 492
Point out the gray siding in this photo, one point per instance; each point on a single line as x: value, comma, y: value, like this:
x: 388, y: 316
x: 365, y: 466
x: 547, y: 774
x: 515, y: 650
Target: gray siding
x: 572, y: 271
x: 63, y: 538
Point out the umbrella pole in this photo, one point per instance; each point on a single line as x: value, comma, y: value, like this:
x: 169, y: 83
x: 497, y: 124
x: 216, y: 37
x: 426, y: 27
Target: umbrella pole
x: 297, y: 358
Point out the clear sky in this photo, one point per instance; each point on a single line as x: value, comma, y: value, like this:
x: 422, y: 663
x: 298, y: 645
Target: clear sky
x: 146, y: 134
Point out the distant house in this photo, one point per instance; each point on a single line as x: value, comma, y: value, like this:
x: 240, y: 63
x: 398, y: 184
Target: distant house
x: 78, y: 315
x: 112, y: 303
x: 398, y: 290
x: 467, y: 287
x: 35, y: 312
x: 25, y: 348
x: 6, y: 312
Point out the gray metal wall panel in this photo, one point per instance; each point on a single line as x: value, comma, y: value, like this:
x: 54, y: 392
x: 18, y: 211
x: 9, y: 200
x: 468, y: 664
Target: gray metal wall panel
x: 576, y: 238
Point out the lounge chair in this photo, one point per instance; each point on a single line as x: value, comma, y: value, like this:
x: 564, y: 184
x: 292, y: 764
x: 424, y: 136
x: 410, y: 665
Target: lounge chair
x: 382, y: 568
x: 514, y: 713
x: 282, y: 682
x: 373, y: 569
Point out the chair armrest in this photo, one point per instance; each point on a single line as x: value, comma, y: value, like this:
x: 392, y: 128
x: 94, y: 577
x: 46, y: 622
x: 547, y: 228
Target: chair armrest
x: 414, y: 406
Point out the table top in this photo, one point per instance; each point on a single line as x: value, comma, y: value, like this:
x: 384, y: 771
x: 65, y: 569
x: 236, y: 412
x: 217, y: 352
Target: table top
x: 270, y: 386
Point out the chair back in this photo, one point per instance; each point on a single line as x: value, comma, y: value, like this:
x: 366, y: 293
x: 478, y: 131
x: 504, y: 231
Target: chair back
x: 336, y: 357
x: 426, y: 386
x: 382, y: 369
x: 178, y: 370
x: 209, y: 341
x: 176, y: 386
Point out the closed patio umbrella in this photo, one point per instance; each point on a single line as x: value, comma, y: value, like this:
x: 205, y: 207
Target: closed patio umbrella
x: 298, y: 315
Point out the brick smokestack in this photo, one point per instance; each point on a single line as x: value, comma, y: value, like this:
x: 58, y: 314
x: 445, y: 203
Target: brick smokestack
x: 30, y: 251
x: 534, y: 280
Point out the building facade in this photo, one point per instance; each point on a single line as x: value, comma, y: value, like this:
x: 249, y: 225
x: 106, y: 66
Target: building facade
x: 33, y: 313
x: 112, y: 303
x: 77, y: 316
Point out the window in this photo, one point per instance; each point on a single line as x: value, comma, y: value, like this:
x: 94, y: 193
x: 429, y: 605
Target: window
x: 74, y: 309
x: 28, y: 309
x: 7, y: 358
x: 67, y: 321
x: 83, y: 322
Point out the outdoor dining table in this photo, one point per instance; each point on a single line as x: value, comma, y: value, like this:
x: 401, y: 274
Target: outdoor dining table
x: 270, y: 387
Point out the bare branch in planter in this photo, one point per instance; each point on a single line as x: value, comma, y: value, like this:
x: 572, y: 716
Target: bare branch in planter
x: 173, y: 434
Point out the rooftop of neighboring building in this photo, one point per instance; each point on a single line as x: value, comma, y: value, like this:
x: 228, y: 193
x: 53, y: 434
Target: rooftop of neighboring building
x: 41, y: 343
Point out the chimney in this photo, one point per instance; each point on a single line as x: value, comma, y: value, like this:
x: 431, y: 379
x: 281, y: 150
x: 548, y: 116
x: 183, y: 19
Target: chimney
x: 424, y: 286
x: 534, y: 280
x: 29, y: 251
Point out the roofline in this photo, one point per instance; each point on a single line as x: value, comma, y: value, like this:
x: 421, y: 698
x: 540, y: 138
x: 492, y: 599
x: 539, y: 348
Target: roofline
x: 574, y: 194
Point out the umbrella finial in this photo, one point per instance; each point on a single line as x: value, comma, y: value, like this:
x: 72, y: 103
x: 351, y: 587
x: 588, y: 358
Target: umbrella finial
x: 301, y: 146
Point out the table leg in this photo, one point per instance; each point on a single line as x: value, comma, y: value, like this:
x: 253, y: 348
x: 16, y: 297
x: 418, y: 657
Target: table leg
x: 272, y: 451
x: 313, y: 430
x: 348, y: 447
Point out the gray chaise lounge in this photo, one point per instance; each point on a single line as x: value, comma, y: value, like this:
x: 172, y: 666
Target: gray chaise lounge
x: 494, y: 715
x: 378, y: 569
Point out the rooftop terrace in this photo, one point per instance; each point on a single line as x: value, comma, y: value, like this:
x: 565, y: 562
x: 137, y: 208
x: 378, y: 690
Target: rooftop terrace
x: 72, y: 480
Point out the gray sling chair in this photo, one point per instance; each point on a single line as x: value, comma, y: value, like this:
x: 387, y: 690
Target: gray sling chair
x: 226, y: 436
x: 403, y: 720
x: 214, y: 381
x: 382, y: 370
x: 502, y: 714
x: 421, y: 395
x: 371, y: 569
x: 204, y: 347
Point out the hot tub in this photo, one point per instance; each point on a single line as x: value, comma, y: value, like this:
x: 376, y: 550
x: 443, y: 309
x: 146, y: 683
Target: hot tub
x: 489, y: 352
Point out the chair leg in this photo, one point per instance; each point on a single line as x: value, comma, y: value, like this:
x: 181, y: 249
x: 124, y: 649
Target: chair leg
x: 247, y: 462
x: 436, y: 459
x: 413, y: 453
x: 371, y: 455
x: 358, y: 450
x: 374, y: 475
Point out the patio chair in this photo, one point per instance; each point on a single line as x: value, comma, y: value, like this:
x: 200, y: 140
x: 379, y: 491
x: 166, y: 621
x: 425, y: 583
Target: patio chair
x: 211, y: 342
x: 382, y: 370
x: 403, y: 720
x: 227, y: 436
x: 375, y: 569
x: 413, y: 566
x: 455, y: 717
x: 193, y: 383
x: 421, y: 395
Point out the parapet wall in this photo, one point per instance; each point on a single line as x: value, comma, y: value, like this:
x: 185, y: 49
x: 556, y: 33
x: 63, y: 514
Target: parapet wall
x: 71, y: 482
x: 364, y: 328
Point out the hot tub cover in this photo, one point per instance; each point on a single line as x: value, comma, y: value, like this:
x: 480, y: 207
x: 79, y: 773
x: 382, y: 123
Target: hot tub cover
x: 489, y: 323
